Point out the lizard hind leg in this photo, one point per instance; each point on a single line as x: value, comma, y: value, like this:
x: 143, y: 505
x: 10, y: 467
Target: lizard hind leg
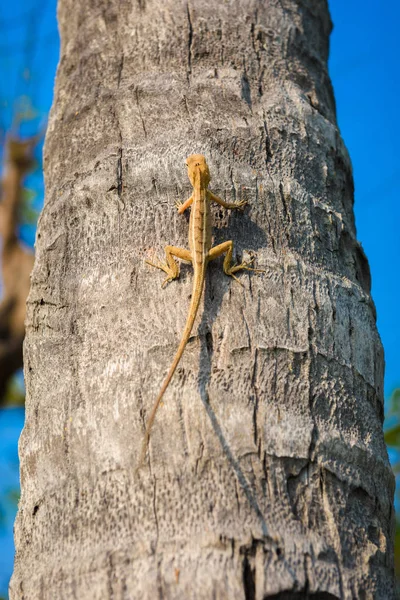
x: 171, y: 267
x: 229, y: 268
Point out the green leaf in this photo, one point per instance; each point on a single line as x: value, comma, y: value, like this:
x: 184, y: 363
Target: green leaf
x: 395, y: 403
x: 28, y: 195
x: 13, y: 496
x: 392, y: 436
x: 14, y: 394
x: 397, y: 552
x: 396, y: 468
x: 28, y: 214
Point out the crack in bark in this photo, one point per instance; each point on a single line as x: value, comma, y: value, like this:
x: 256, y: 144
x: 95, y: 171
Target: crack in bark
x: 311, y: 358
x: 140, y: 112
x: 245, y: 91
x: 198, y: 459
x: 249, y: 579
x: 267, y: 148
x: 253, y: 38
x: 256, y: 401
x: 190, y: 43
x: 155, y: 512
x: 233, y: 184
x: 119, y: 174
x: 221, y: 39
x: 237, y: 497
x: 121, y: 66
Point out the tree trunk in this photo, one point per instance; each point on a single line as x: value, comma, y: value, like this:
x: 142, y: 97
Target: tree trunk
x: 267, y: 474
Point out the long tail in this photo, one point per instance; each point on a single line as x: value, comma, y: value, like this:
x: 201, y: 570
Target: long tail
x: 198, y: 285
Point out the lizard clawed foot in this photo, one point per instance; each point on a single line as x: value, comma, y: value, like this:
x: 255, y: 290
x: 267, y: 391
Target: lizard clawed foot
x: 241, y: 204
x: 157, y: 265
x: 171, y: 273
x: 178, y: 205
x: 243, y: 266
x: 167, y: 280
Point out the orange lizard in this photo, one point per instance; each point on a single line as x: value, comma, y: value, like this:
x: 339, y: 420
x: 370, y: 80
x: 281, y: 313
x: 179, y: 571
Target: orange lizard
x: 200, y: 254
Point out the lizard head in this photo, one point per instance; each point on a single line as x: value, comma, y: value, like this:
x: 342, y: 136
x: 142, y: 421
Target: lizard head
x: 197, y: 166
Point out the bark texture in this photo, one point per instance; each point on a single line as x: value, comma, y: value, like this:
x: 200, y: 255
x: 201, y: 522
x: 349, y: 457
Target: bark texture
x: 267, y: 475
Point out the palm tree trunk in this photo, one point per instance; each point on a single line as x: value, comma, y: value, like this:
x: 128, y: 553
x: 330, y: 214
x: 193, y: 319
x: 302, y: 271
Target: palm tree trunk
x: 267, y: 475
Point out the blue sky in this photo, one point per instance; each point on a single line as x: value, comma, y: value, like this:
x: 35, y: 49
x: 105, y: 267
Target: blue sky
x: 11, y: 422
x: 365, y: 75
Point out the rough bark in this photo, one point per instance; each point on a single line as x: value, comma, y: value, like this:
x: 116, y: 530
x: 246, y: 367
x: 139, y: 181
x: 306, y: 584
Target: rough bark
x: 268, y: 476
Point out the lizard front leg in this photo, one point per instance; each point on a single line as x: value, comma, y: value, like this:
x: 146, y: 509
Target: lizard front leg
x: 213, y: 198
x: 171, y: 267
x: 229, y: 268
x: 183, y: 206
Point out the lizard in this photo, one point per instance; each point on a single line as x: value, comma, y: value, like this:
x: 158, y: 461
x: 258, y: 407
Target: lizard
x: 200, y: 254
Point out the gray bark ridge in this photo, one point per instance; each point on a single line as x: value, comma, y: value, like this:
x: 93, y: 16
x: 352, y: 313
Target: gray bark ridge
x: 267, y: 474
